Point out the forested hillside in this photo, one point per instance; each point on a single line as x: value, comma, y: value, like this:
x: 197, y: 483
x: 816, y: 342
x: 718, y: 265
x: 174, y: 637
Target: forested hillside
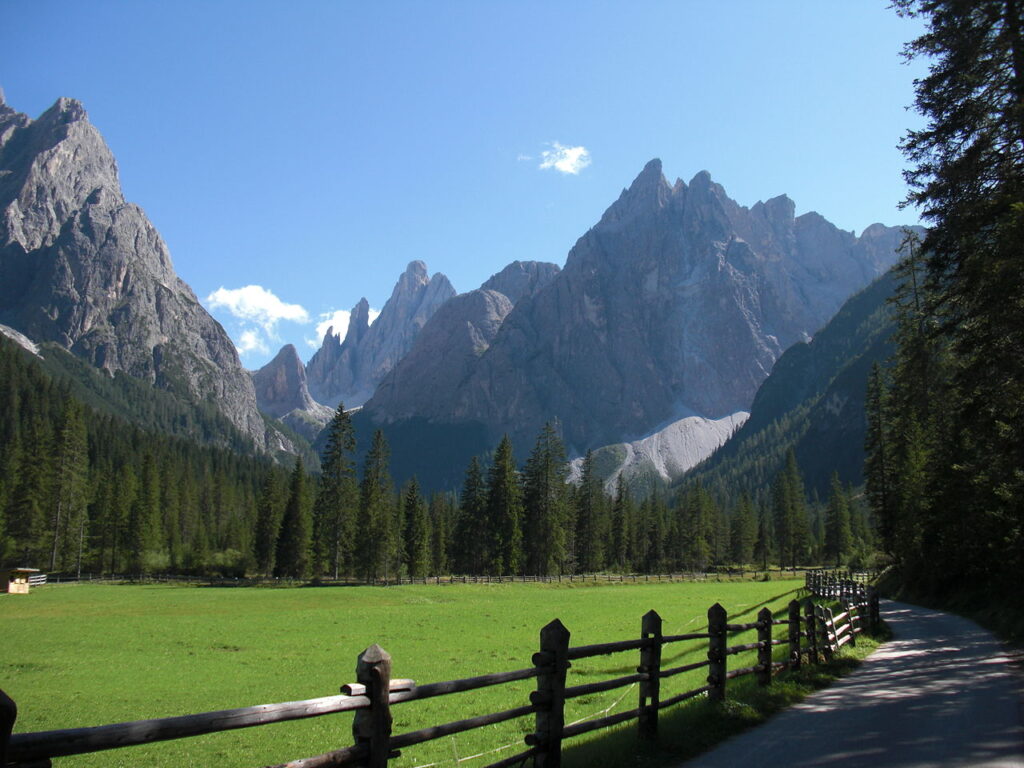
x: 84, y: 489
x: 945, y: 470
x: 812, y: 404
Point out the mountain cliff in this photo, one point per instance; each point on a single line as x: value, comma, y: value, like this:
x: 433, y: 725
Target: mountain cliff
x: 82, y: 267
x: 813, y: 402
x: 348, y: 371
x: 281, y: 393
x: 677, y: 303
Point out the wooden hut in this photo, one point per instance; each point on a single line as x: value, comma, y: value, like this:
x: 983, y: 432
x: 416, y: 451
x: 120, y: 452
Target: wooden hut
x: 18, y: 580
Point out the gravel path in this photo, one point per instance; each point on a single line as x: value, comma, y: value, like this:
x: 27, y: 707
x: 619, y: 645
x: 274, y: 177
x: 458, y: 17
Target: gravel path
x: 943, y: 692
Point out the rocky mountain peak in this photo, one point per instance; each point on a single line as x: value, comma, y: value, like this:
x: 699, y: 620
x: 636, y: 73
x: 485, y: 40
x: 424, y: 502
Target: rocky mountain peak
x: 521, y: 278
x: 358, y: 322
x: 678, y: 301
x: 81, y: 267
x: 282, y: 393
x: 649, y: 192
x: 349, y: 373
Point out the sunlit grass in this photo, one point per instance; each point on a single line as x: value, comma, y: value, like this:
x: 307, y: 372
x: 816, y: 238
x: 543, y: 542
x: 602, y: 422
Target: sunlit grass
x: 81, y: 655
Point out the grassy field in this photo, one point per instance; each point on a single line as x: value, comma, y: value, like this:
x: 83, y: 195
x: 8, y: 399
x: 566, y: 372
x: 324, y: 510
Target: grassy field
x: 79, y: 655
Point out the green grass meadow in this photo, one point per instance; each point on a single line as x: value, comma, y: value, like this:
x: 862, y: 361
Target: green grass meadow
x: 90, y: 654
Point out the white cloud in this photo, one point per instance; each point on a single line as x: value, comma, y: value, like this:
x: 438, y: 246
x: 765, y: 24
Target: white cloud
x: 338, y: 320
x: 255, y: 304
x: 251, y: 341
x: 569, y: 160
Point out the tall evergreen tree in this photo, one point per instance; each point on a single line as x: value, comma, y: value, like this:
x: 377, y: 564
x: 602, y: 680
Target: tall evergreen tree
x: 744, y: 531
x: 472, y: 545
x: 375, y: 534
x: 504, y: 511
x: 417, y: 531
x: 967, y: 177
x: 337, y: 499
x: 546, y: 504
x: 268, y: 525
x: 838, y: 538
x: 292, y: 559
x: 592, y: 523
x: 69, y: 489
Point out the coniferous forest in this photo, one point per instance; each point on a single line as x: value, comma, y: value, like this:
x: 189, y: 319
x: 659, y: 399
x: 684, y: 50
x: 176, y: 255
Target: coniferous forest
x: 87, y: 492
x: 945, y: 466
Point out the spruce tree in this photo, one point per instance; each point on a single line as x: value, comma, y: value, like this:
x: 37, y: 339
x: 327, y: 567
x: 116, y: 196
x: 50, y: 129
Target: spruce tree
x: 592, y: 524
x: 546, y: 504
x: 417, y: 531
x: 337, y: 499
x: 838, y: 538
x: 504, y: 512
x: 268, y: 525
x: 472, y: 542
x: 375, y: 534
x: 292, y: 558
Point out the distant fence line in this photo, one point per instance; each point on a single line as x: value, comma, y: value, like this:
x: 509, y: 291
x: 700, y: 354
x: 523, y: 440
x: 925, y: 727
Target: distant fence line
x: 812, y: 631
x: 569, y: 578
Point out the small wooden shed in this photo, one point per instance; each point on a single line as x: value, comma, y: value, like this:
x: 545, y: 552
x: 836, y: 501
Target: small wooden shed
x: 18, y: 580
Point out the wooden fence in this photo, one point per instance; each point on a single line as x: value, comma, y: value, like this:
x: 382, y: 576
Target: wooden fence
x: 577, y: 578
x: 812, y: 631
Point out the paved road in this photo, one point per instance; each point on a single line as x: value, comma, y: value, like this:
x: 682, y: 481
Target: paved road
x: 943, y: 692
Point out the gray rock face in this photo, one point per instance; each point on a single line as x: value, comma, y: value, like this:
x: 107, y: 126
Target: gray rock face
x: 522, y: 278
x: 447, y: 349
x: 677, y: 302
x: 82, y: 267
x: 281, y: 393
x: 350, y: 371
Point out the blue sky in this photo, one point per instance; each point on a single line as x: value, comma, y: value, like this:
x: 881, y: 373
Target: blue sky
x: 307, y: 151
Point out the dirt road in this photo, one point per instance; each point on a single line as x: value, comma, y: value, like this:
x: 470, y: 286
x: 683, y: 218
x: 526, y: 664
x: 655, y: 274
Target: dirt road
x: 943, y: 692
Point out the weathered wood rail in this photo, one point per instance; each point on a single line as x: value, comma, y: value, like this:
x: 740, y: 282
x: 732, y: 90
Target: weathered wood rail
x: 812, y: 631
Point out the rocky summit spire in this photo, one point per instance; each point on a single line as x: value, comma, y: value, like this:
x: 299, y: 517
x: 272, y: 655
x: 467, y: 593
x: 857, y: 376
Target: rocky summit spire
x: 350, y: 375
x: 82, y: 267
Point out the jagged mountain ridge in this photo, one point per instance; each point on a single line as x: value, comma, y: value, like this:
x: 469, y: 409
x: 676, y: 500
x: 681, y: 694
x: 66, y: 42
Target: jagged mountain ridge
x: 82, y: 267
x: 446, y: 350
x: 813, y: 402
x: 678, y: 301
x: 282, y: 393
x: 348, y: 371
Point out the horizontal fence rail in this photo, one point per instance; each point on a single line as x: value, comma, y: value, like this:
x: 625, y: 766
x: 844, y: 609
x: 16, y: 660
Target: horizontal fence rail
x: 811, y: 630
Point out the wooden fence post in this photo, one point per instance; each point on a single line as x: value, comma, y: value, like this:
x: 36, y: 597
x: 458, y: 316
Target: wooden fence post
x: 794, y: 634
x: 650, y: 663
x: 550, y: 694
x: 8, y: 714
x: 764, y: 652
x: 828, y: 629
x: 372, y: 726
x: 716, y: 652
x: 811, y: 628
x: 874, y: 614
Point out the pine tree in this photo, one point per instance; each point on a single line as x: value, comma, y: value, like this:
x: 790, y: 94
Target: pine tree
x: 790, y: 513
x: 967, y: 176
x: 441, y: 516
x: 337, y: 500
x: 546, y: 502
x: 592, y: 524
x: 375, y: 534
x: 623, y: 526
x: 268, y: 525
x: 69, y: 487
x: 417, y: 531
x: 472, y: 544
x: 292, y: 558
x: 744, y: 531
x: 504, y: 511
x: 838, y: 538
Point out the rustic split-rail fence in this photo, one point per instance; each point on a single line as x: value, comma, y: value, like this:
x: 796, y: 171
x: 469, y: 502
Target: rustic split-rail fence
x: 812, y: 632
